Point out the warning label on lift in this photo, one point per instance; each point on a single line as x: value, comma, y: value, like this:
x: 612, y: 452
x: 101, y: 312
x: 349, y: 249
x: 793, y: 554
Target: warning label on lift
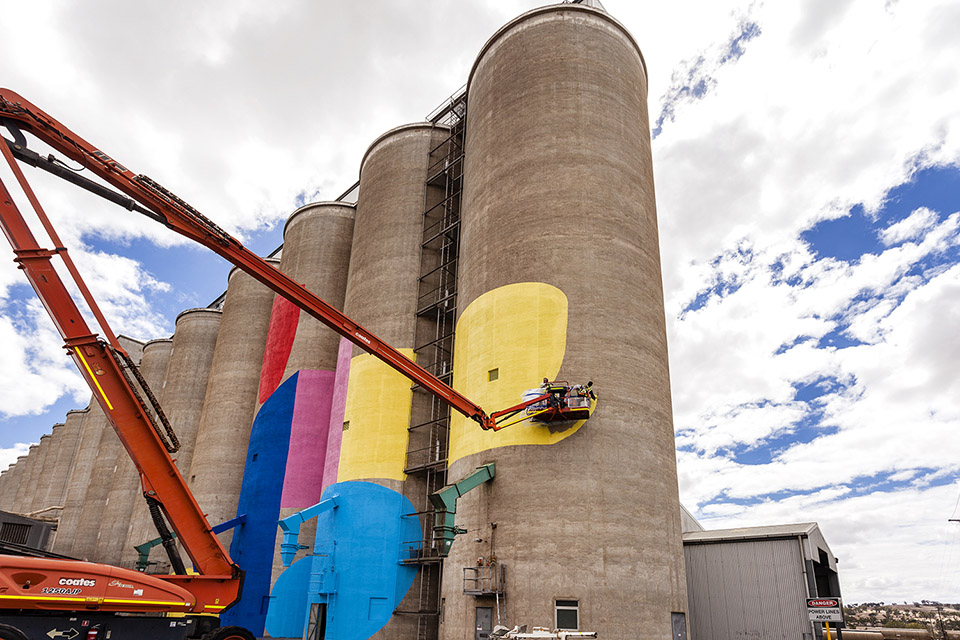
x: 825, y: 609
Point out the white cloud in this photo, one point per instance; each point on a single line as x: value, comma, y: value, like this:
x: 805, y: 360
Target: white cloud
x: 910, y: 227
x: 9, y: 455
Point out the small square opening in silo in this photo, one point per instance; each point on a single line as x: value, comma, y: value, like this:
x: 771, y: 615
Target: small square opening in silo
x: 493, y: 374
x: 346, y: 425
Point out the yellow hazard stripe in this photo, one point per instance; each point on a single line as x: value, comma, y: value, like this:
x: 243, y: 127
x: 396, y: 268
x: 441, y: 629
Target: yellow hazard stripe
x: 94, y: 378
x: 163, y: 602
x: 56, y: 598
x: 213, y: 606
x: 98, y: 600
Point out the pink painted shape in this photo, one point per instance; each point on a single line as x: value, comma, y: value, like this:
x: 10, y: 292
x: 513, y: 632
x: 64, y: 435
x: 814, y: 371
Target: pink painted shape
x: 303, y: 481
x: 283, y: 329
x: 337, y: 411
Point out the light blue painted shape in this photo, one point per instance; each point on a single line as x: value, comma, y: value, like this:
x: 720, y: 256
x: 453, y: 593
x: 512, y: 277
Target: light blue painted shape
x: 356, y: 568
x: 285, y: 615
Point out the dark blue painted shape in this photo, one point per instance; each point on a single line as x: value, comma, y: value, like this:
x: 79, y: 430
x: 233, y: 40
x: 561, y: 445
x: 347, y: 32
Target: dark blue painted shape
x: 356, y: 568
x: 253, y: 543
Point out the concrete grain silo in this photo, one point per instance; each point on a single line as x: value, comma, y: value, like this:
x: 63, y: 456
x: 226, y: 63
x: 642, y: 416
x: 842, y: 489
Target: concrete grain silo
x: 8, y: 500
x: 99, y: 475
x: 287, y: 444
x: 39, y: 475
x: 153, y: 368
x: 66, y: 454
x: 316, y: 252
x: 5, y: 476
x: 125, y: 490
x: 217, y: 467
x: 370, y: 420
x: 88, y: 440
x: 23, y: 499
x: 560, y: 278
x: 45, y: 483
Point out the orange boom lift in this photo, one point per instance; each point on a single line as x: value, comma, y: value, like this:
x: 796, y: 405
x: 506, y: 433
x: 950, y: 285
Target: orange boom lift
x: 40, y: 597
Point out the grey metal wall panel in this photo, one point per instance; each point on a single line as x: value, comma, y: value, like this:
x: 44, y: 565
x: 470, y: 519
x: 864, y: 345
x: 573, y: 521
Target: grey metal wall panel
x: 746, y: 589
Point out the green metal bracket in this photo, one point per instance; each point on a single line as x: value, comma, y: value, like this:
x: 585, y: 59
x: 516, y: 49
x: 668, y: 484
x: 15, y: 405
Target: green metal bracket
x: 445, y: 505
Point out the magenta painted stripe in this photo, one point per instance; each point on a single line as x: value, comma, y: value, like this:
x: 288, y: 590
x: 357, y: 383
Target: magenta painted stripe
x: 303, y: 481
x: 337, y: 410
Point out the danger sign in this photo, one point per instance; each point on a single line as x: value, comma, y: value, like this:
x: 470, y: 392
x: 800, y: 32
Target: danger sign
x: 825, y: 609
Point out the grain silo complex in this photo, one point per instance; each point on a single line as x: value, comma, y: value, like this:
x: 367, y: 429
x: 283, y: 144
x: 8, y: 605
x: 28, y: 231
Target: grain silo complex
x: 508, y: 240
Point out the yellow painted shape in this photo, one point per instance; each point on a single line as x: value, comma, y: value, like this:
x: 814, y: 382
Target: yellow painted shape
x: 378, y: 410
x: 520, y: 329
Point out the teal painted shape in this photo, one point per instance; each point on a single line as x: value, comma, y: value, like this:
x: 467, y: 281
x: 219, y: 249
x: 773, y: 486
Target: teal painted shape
x: 285, y: 614
x: 356, y: 569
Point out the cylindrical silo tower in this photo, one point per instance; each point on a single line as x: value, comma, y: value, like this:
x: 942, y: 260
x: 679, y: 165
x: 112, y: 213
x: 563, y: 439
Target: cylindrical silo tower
x: 38, y: 477
x: 97, y: 484
x: 371, y: 418
x: 100, y: 474
x: 153, y: 368
x: 23, y: 499
x: 8, y: 499
x: 560, y: 278
x: 45, y: 482
x: 5, y: 476
x: 216, y: 469
x: 66, y: 452
x: 125, y: 497
x: 78, y: 478
x: 287, y: 444
x: 316, y: 252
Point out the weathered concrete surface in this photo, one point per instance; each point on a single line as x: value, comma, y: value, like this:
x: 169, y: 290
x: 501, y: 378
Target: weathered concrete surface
x: 15, y: 481
x: 66, y: 453
x: 216, y: 470
x: 88, y: 439
x: 100, y: 474
x: 125, y: 490
x: 316, y: 253
x: 384, y: 270
x: 41, y: 474
x: 153, y: 368
x: 47, y: 473
x: 22, y: 500
x: 559, y: 190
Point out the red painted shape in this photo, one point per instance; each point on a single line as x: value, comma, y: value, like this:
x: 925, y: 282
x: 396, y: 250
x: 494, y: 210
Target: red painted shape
x: 280, y: 335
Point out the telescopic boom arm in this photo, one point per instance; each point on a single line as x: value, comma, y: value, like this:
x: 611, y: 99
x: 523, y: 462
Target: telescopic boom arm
x: 179, y: 216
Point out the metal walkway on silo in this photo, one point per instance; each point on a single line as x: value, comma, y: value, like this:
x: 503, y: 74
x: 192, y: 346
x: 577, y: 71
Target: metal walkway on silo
x: 436, y: 317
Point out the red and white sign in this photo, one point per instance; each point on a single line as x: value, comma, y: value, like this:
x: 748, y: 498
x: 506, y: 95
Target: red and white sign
x: 825, y: 609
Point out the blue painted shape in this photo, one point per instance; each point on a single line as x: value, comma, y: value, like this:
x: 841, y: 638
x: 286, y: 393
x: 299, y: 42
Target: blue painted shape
x: 356, y: 568
x: 285, y: 614
x: 253, y: 543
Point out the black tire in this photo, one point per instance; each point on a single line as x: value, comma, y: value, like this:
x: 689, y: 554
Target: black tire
x: 11, y: 633
x: 226, y: 633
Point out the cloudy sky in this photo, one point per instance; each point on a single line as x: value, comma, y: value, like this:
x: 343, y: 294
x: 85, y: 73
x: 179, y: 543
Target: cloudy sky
x: 807, y: 159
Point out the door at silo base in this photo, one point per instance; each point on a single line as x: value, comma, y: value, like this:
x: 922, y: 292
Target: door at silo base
x: 484, y: 623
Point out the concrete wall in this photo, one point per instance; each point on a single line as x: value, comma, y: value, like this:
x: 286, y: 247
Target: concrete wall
x: 66, y: 454
x: 153, y: 368
x: 125, y: 491
x: 560, y: 277
x: 216, y: 470
x: 21, y: 502
x: 88, y: 440
x: 287, y: 443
